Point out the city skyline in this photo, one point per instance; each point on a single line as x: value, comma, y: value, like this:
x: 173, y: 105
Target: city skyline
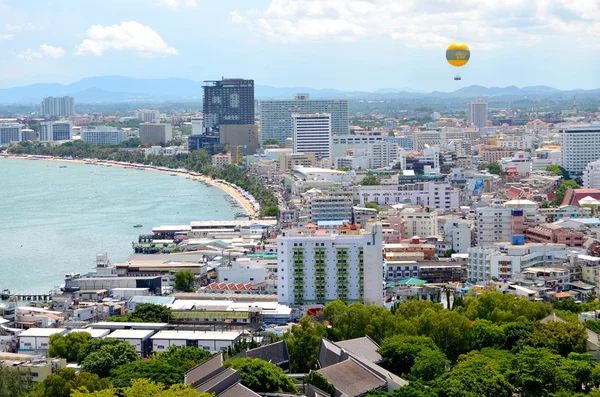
x: 346, y: 45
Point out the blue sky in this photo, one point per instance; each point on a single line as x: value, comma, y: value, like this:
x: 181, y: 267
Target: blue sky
x: 343, y: 44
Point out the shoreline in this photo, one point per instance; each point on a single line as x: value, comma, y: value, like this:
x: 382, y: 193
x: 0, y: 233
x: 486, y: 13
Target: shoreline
x: 249, y: 206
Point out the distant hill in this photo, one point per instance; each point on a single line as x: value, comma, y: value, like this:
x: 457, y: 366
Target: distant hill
x: 106, y: 89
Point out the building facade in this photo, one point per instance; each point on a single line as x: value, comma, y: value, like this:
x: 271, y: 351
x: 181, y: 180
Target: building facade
x: 312, y: 134
x: 477, y: 114
x: 591, y: 175
x: 148, y: 115
x: 434, y: 194
x: 329, y: 208
x: 242, y: 139
x: 156, y: 133
x: 10, y: 132
x: 221, y: 160
x: 56, y: 131
x: 227, y: 101
x: 320, y: 268
x: 57, y: 107
x: 102, y: 136
x: 579, y: 147
x: 276, y: 115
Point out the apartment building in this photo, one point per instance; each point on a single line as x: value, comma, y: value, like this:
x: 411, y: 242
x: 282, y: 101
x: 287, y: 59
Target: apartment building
x: 56, y: 131
x: 579, y: 147
x: 433, y: 194
x: 329, y: 208
x: 317, y: 267
x: 419, y: 221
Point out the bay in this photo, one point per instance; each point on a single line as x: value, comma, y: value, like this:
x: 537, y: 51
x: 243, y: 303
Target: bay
x: 55, y: 220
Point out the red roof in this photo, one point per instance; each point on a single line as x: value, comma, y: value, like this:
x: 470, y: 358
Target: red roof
x: 572, y: 196
x: 229, y: 287
x: 562, y: 295
x: 310, y: 226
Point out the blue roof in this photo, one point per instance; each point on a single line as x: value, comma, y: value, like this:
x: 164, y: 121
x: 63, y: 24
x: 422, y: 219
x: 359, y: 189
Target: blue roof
x: 587, y: 220
x: 157, y: 300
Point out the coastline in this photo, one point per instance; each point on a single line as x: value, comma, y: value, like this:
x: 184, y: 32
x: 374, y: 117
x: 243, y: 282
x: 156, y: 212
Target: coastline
x: 247, y: 204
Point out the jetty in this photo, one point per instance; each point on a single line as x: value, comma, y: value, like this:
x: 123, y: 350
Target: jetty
x: 27, y: 297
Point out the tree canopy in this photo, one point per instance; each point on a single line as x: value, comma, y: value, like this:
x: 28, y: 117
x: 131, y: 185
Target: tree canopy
x: 146, y: 313
x: 143, y: 388
x: 184, y: 281
x: 68, y: 346
x: 100, y: 356
x: 13, y: 383
x: 261, y: 376
x: 303, y: 345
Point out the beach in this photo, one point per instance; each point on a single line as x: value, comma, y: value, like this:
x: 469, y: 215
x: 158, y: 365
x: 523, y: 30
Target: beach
x: 249, y: 205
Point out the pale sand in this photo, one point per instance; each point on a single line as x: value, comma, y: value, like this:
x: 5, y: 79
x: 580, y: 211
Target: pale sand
x: 244, y: 202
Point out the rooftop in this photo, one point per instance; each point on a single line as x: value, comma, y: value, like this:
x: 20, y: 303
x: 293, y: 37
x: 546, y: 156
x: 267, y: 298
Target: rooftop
x: 197, y: 335
x: 131, y: 334
x: 42, y: 332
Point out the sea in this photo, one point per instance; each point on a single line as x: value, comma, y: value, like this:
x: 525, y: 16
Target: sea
x: 55, y: 219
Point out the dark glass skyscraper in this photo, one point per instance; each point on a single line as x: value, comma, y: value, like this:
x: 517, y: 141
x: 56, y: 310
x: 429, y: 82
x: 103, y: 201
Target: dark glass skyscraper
x: 228, y: 101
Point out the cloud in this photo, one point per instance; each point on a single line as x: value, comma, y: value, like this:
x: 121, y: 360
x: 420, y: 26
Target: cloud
x: 6, y: 36
x: 484, y: 24
x: 45, y: 50
x: 128, y: 36
x: 19, y: 28
x: 177, y: 3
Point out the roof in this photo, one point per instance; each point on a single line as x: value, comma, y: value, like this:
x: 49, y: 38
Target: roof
x: 274, y: 353
x: 131, y: 334
x: 364, y: 347
x: 238, y: 390
x: 203, y: 371
x: 94, y: 332
x: 562, y: 295
x: 229, y: 287
x: 197, y: 335
x: 352, y: 378
x: 411, y: 281
x: 157, y: 300
x: 42, y: 332
x: 130, y: 325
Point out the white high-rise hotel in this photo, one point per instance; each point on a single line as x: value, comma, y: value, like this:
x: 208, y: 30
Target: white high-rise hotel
x: 312, y: 134
x: 56, y: 107
x: 477, y: 114
x: 317, y: 268
x: 579, y: 146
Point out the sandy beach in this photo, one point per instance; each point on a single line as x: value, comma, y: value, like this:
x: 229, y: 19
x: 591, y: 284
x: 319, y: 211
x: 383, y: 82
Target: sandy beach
x: 227, y: 188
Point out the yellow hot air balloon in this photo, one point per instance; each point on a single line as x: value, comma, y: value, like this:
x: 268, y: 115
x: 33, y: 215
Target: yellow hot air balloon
x: 458, y: 54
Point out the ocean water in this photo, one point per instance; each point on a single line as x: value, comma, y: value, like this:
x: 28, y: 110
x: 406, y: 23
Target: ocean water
x: 55, y: 220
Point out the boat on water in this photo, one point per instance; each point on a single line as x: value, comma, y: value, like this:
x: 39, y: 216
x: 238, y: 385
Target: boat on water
x: 138, y: 225
x: 5, y: 294
x: 62, y: 166
x: 241, y: 215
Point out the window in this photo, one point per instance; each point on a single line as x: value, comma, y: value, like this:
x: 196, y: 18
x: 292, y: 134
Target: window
x: 160, y: 346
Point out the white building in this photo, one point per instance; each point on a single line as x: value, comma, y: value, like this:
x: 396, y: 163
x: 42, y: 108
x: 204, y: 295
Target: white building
x: 424, y: 139
x: 545, y: 157
x: 433, y: 194
x: 329, y: 208
x: 197, y: 124
x: 493, y: 224
x: 138, y: 338
x: 10, y: 132
x: 505, y: 260
x: 242, y: 271
x: 148, y: 115
x: 591, y: 175
x: 319, y: 267
x: 312, y: 134
x: 56, y: 130
x: 276, y: 115
x: 341, y: 143
x: 383, y: 154
x: 37, y: 339
x: 102, y: 135
x: 460, y: 234
x: 422, y: 222
x: 213, y: 341
x: 521, y: 162
x: 579, y: 147
x: 221, y: 160
x: 477, y: 114
x: 57, y: 107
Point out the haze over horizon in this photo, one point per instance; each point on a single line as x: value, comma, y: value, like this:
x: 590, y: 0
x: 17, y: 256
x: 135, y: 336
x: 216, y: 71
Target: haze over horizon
x: 332, y: 44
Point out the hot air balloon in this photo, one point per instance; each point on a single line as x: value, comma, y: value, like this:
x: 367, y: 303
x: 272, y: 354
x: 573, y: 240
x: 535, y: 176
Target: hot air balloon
x: 458, y: 54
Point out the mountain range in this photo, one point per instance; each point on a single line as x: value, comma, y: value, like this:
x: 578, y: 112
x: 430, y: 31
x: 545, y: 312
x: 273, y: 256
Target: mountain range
x: 128, y: 89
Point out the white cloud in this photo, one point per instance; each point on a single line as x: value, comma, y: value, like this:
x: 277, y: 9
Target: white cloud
x: 484, y: 24
x: 44, y: 51
x: 177, y: 3
x: 128, y: 36
x: 6, y: 36
x: 19, y: 28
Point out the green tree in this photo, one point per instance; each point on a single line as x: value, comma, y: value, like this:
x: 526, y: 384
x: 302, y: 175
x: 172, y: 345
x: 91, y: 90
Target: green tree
x: 184, y: 281
x: 68, y: 346
x: 271, y: 141
x: 65, y: 380
x: 184, y: 358
x: 501, y: 308
x: 13, y: 383
x: 370, y: 180
x: 316, y: 379
x: 145, y: 388
x: 562, y: 190
x: 449, y: 330
x: 272, y: 211
x: 558, y: 337
x: 493, y: 168
x: 303, y: 345
x: 484, y: 333
x: 100, y: 356
x: 374, y: 206
x: 261, y: 376
x: 155, y: 370
x: 400, y: 352
x: 558, y: 170
x: 567, y: 304
x: 429, y: 364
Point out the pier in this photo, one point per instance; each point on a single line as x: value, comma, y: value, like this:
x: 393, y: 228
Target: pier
x: 26, y: 297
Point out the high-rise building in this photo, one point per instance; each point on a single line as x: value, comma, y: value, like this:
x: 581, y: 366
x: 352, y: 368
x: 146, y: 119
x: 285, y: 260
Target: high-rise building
x: 320, y: 267
x: 312, y: 134
x: 276, y: 115
x: 241, y: 139
x: 102, y: 135
x: 579, y: 146
x: 197, y: 124
x: 326, y: 207
x: 477, y: 114
x: 56, y: 131
x: 28, y: 135
x: 156, y: 133
x: 10, y: 132
x: 591, y: 175
x: 227, y: 101
x: 148, y: 115
x: 57, y: 107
